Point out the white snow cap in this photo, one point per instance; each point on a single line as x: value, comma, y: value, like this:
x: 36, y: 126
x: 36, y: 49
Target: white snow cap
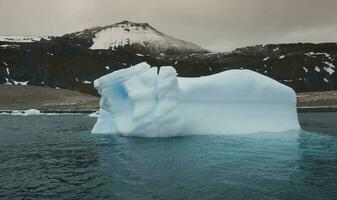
x: 124, y: 33
x: 138, y: 101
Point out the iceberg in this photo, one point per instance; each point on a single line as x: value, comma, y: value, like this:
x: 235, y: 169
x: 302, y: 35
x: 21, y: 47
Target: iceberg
x: 26, y: 112
x: 145, y: 101
x: 94, y: 114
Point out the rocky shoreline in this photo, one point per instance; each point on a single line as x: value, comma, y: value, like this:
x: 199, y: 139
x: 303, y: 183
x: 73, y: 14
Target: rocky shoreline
x: 50, y: 100
x: 45, y: 99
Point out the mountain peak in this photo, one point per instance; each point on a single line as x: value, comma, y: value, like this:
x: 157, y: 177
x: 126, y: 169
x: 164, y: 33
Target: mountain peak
x: 128, y: 26
x: 126, y: 22
x: 141, y: 35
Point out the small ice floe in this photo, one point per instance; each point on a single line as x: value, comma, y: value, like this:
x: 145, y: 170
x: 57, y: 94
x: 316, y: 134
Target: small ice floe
x: 210, y: 69
x: 87, y: 82
x: 140, y: 55
x: 31, y: 112
x: 276, y: 49
x: 5, y: 113
x: 107, y: 67
x: 26, y: 112
x: 317, y: 69
x: 57, y: 88
x: 282, y: 57
x: 51, y: 54
x: 326, y: 80
x: 7, y: 70
x: 95, y: 114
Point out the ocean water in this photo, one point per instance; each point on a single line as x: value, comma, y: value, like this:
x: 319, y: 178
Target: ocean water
x: 56, y: 157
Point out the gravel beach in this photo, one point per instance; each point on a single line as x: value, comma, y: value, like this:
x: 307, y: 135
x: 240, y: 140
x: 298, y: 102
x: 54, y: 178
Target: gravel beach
x: 45, y: 99
x: 61, y: 100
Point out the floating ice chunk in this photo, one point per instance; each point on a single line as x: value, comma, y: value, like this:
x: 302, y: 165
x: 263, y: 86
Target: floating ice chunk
x: 32, y: 112
x: 25, y: 112
x: 35, y: 112
x: 94, y: 114
x: 138, y: 101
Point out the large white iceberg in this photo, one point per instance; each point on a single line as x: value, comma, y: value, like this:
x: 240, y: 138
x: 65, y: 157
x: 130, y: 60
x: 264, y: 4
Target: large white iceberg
x: 151, y: 102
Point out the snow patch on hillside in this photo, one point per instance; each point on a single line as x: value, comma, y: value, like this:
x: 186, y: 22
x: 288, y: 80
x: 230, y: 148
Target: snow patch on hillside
x: 127, y: 33
x: 330, y: 69
x: 314, y: 54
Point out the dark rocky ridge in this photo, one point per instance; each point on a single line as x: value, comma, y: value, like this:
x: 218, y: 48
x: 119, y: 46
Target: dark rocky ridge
x: 67, y: 62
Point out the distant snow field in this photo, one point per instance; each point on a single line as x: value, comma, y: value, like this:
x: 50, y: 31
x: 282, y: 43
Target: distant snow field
x: 21, y: 39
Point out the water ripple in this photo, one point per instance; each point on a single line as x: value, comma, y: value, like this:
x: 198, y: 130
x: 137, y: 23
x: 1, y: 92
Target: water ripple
x: 57, y: 158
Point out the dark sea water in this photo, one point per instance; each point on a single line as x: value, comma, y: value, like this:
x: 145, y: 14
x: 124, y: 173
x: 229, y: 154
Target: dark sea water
x: 56, y: 157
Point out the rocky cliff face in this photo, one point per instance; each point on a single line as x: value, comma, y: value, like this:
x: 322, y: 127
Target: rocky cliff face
x: 74, y: 60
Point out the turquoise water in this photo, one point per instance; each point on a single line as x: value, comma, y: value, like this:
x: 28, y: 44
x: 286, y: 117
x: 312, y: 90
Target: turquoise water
x: 55, y: 157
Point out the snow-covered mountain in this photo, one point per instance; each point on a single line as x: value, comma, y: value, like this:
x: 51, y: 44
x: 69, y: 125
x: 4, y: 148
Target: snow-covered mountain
x: 74, y: 60
x: 137, y: 34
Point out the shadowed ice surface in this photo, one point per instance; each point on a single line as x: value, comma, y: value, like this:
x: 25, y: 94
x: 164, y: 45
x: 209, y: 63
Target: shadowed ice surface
x: 56, y: 157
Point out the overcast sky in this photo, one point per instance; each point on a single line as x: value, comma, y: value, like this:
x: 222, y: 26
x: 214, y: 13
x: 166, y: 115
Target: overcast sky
x: 215, y: 24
